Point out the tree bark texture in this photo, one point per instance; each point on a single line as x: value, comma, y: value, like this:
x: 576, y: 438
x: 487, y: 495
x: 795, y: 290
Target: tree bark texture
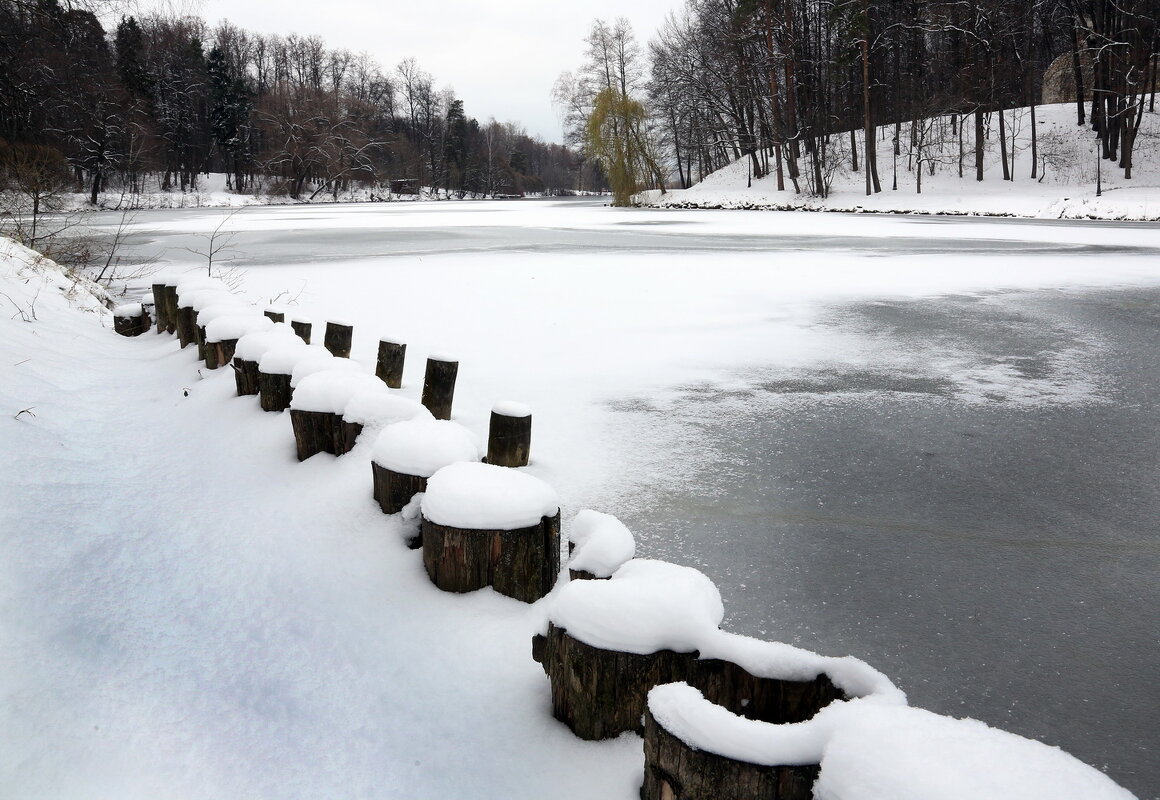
x: 220, y: 353
x: 302, y: 329
x: 170, y: 295
x: 338, y: 338
x: 509, y: 440
x: 675, y: 771
x: 389, y: 366
x: 185, y: 326
x: 439, y: 387
x: 275, y: 391
x: 522, y: 564
x: 322, y: 432
x: 161, y: 311
x: 133, y: 326
x: 246, y: 377
x: 199, y: 339
x: 393, y: 490
x: 600, y: 694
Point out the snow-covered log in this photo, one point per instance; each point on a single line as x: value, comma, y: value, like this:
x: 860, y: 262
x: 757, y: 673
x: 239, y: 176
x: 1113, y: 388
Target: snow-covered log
x: 491, y: 526
x: 406, y: 454
x: 676, y: 770
x: 131, y: 319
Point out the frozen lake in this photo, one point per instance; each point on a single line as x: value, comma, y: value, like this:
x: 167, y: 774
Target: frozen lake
x: 930, y: 443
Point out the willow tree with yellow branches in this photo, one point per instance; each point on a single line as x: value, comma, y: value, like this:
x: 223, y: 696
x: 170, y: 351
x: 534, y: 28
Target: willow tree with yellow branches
x: 616, y: 135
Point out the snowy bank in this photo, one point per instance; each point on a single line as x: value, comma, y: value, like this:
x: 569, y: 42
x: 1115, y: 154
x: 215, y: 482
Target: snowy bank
x: 1064, y: 186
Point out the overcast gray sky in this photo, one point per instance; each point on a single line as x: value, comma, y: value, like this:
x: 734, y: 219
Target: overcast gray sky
x: 500, y: 56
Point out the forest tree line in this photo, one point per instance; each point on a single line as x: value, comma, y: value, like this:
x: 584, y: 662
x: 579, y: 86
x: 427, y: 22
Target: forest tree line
x: 161, y: 100
x: 794, y: 86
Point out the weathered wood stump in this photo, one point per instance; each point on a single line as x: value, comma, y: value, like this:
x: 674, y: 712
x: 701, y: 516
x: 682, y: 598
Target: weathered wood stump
x: 509, y: 438
x: 131, y: 319
x: 408, y: 452
x: 439, y: 386
x: 275, y: 315
x: 218, y: 354
x: 161, y: 312
x: 302, y: 329
x: 675, y: 771
x: 600, y: 694
x: 246, y: 377
x: 317, y: 432
x: 169, y: 293
x: 338, y: 339
x: 389, y: 365
x: 654, y: 622
x: 186, y: 325
x: 766, y: 699
x: 274, y: 390
x: 521, y: 563
x: 393, y: 490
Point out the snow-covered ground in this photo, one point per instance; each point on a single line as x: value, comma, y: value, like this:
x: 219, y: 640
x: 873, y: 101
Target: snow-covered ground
x: 1064, y: 186
x: 190, y: 612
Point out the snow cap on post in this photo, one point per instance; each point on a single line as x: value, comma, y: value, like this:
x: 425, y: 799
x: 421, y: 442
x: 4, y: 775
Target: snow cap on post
x: 601, y: 542
x: 475, y: 496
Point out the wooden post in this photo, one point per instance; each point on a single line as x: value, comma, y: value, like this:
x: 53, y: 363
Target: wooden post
x: 160, y: 308
x: 218, y: 354
x: 509, y: 437
x: 275, y: 315
x: 389, y: 367
x: 185, y: 325
x: 337, y: 339
x: 600, y: 694
x: 302, y: 328
x: 393, y: 490
x: 315, y: 432
x: 275, y: 391
x: 439, y: 386
x: 522, y: 563
x: 245, y: 376
x: 199, y: 338
x: 676, y: 771
x: 132, y: 320
x: 170, y: 294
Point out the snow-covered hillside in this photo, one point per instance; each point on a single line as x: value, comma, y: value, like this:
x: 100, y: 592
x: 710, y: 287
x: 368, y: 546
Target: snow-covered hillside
x: 1064, y: 186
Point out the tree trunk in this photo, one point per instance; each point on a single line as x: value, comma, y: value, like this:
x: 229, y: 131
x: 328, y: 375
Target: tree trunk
x: 1003, y: 145
x: 978, y: 144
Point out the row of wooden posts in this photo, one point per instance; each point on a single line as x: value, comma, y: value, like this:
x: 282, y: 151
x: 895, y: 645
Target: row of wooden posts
x: 597, y: 693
